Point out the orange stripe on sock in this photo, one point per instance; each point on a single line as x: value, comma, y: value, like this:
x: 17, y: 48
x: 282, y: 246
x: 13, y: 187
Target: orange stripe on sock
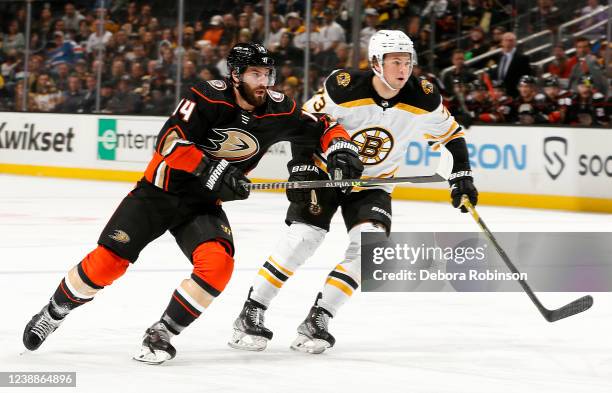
x: 184, y: 306
x: 69, y: 297
x: 335, y: 283
x: 340, y: 268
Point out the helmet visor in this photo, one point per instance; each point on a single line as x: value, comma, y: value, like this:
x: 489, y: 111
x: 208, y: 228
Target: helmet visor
x: 257, y: 76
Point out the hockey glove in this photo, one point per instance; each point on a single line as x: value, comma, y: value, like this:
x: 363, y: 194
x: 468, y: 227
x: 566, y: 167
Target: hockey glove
x: 343, y: 160
x: 299, y: 171
x: 462, y: 183
x: 225, y: 180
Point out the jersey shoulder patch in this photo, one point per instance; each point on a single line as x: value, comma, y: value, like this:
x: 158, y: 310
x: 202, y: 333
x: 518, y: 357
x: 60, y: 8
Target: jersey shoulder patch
x: 279, y: 104
x: 344, y: 86
x: 213, y: 92
x: 420, y: 93
x: 218, y: 84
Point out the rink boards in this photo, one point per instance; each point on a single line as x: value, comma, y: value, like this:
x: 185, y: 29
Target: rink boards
x: 541, y: 167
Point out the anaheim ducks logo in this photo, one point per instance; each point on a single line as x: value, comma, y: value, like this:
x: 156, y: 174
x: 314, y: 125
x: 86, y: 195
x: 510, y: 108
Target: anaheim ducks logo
x: 120, y: 236
x: 218, y: 84
x: 343, y: 79
x: 426, y: 86
x: 232, y: 144
x: 375, y: 144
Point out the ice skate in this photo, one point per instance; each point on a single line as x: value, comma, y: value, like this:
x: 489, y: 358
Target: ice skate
x: 250, y: 334
x: 39, y: 328
x: 156, y: 347
x: 313, y: 336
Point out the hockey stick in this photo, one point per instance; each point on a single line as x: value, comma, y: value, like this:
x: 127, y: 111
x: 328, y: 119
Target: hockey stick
x: 575, y: 307
x: 376, y: 181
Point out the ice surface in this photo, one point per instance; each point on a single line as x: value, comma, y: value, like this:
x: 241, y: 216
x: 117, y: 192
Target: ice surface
x: 411, y: 342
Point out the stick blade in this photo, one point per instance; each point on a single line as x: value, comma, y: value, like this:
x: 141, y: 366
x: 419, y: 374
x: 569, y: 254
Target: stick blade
x: 575, y: 307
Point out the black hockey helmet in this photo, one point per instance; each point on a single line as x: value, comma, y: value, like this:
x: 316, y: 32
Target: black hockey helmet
x: 527, y: 80
x: 551, y: 81
x: 249, y: 54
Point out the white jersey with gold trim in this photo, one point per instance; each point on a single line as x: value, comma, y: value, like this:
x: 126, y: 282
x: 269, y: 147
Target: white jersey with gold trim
x: 383, y: 128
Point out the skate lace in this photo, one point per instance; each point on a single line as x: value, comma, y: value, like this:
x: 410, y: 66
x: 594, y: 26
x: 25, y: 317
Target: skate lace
x: 43, y: 328
x: 256, y: 315
x: 322, y: 320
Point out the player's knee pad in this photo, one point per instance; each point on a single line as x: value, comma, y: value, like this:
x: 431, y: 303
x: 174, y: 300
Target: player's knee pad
x: 352, y: 256
x: 212, y: 266
x: 101, y: 267
x: 299, y: 243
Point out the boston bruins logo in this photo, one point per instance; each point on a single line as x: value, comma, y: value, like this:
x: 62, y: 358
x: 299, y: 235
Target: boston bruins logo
x: 343, y: 79
x: 232, y: 144
x: 426, y: 86
x: 374, y: 143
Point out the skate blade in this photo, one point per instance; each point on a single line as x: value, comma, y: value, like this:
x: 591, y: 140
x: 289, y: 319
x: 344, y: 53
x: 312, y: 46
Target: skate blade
x: 307, y: 345
x: 247, y: 342
x: 146, y: 356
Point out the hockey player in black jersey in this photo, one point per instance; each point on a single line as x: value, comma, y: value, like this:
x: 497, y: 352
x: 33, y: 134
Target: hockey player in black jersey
x: 588, y: 106
x: 218, y: 133
x: 383, y: 110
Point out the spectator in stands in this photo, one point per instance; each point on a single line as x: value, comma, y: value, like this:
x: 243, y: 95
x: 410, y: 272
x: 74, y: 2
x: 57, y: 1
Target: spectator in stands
x: 190, y: 51
x: 316, y: 38
x: 370, y: 28
x: 276, y: 30
x: 44, y: 23
x: 209, y: 73
x: 46, y: 96
x: 496, y: 37
x: 67, y: 52
x: 546, y: 17
x: 88, y: 102
x: 60, y: 76
x: 477, y: 45
x: 511, y: 65
x: 221, y: 65
x: 230, y: 30
x: 124, y: 101
x: 72, y: 18
x: 471, y: 15
x: 73, y: 96
x: 13, y: 39
x: 461, y: 72
x: 561, y: 66
x: 215, y: 30
x: 137, y: 74
x: 294, y: 23
x: 591, y: 7
x: 287, y: 51
x: 189, y: 77
x: 117, y: 70
x: 438, y: 7
x: 99, y: 38
x: 587, y: 64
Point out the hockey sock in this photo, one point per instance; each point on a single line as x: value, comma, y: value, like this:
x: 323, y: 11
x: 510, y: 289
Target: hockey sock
x: 296, y: 245
x: 98, y: 269
x: 339, y: 287
x: 212, y: 270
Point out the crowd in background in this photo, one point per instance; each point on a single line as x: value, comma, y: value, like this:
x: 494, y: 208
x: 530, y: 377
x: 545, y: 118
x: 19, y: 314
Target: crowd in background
x: 138, y: 44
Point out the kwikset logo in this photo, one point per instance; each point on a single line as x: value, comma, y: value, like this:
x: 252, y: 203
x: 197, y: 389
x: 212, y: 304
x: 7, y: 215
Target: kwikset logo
x: 28, y: 138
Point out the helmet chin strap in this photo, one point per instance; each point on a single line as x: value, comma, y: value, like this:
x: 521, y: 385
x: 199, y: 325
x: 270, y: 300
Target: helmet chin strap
x: 382, y: 78
x: 381, y: 74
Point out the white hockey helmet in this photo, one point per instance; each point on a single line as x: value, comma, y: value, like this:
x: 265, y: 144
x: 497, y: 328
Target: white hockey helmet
x: 389, y: 41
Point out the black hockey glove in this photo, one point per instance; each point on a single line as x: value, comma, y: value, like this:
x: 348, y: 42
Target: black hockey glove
x: 225, y: 180
x: 462, y: 183
x: 300, y: 171
x: 343, y: 160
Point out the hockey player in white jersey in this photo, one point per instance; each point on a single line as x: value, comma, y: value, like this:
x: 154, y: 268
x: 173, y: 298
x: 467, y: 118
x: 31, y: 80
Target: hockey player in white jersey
x: 382, y: 110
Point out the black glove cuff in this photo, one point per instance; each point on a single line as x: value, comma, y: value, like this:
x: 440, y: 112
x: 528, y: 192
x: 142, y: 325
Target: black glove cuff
x: 460, y: 175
